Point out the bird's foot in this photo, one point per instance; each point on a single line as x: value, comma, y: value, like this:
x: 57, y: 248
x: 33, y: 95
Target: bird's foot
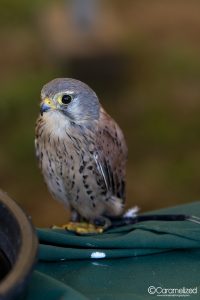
x: 81, y: 227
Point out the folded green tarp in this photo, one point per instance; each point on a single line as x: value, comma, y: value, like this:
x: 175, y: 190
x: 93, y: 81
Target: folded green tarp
x: 141, y: 261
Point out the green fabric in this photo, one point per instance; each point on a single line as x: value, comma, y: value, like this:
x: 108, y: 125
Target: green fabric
x: 152, y: 253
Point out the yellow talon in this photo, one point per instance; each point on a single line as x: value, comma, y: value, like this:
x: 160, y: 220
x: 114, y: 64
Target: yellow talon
x: 80, y: 227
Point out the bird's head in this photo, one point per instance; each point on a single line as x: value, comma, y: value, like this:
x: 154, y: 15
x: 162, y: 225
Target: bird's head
x: 70, y: 97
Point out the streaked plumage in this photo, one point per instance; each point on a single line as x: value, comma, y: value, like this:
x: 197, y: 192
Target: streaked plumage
x: 81, y: 150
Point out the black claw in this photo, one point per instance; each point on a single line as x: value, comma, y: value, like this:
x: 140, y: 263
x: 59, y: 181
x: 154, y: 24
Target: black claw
x: 103, y: 222
x: 99, y: 222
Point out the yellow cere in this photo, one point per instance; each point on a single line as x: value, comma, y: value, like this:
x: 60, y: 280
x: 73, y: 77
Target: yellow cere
x: 49, y: 102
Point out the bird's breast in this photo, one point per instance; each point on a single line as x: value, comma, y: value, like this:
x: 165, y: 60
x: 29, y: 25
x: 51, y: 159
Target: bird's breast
x: 69, y: 169
x: 63, y: 154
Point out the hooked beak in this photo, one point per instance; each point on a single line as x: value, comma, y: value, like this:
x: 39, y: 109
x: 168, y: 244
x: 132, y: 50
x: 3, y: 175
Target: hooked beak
x: 46, y: 105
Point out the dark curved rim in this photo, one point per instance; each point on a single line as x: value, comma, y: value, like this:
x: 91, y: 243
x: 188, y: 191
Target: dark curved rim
x: 14, y: 281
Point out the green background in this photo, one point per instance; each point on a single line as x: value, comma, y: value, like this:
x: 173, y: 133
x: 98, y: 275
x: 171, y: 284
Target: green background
x: 153, y: 253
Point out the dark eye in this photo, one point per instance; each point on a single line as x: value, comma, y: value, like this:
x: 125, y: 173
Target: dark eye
x: 66, y: 99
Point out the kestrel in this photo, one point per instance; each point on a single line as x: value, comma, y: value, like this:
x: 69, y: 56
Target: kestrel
x: 81, y: 151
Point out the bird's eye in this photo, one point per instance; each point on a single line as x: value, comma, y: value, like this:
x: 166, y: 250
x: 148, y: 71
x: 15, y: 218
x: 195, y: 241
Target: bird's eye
x: 66, y: 99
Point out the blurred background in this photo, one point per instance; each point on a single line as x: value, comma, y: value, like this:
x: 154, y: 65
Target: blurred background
x: 141, y: 57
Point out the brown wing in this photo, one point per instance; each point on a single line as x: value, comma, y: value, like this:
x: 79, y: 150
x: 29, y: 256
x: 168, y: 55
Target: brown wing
x: 111, y: 155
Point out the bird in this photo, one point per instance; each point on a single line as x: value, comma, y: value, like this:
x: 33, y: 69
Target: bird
x: 81, y: 151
